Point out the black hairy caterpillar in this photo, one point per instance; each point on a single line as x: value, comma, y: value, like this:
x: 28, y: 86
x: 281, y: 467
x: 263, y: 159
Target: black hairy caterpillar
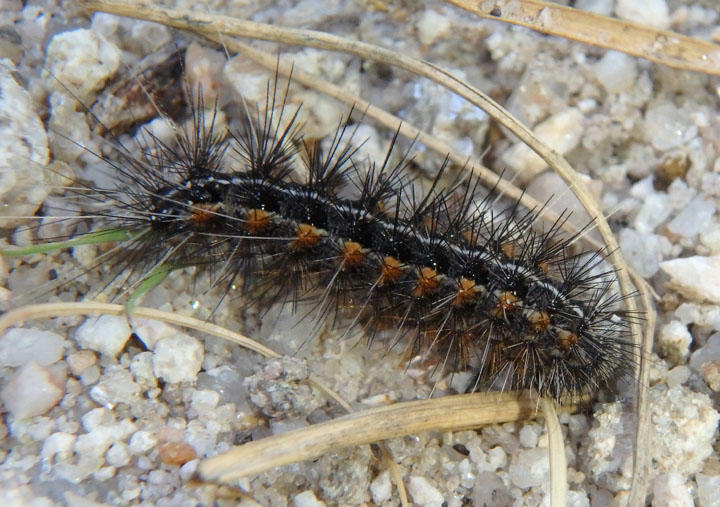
x: 481, y: 288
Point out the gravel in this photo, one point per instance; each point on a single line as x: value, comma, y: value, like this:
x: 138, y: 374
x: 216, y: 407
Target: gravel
x: 101, y: 411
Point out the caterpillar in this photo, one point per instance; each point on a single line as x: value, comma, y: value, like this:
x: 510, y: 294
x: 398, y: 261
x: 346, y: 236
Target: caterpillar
x: 443, y: 268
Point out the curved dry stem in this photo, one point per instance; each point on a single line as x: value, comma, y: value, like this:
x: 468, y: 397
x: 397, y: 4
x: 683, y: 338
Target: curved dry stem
x: 449, y: 413
x: 639, y: 484
x: 659, y: 46
x: 556, y: 449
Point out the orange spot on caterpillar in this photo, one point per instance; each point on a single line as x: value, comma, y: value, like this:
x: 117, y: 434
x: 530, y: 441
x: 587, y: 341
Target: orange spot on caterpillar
x: 544, y: 266
x: 306, y: 236
x: 466, y: 292
x: 428, y: 281
x: 203, y: 213
x: 353, y: 253
x: 566, y: 339
x: 257, y: 221
x: 506, y: 302
x: 391, y: 270
x: 539, y: 320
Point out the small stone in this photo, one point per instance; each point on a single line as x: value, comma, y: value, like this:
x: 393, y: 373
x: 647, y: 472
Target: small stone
x: 58, y: 443
x: 653, y: 13
x: 204, y: 401
x: 529, y: 468
x: 116, y: 386
x: 668, y: 127
x: 707, y: 490
x: 562, y: 131
x: 433, y: 26
x: 106, y: 334
x: 692, y: 218
x: 80, y: 361
x: 176, y: 453
x: 675, y: 339
x: 616, y: 72
x: 655, y: 210
x: 381, y: 488
x: 670, y: 490
x: 178, y: 358
x: 677, y: 376
x: 82, y: 60
x: 529, y: 436
x: 141, y: 442
x: 24, y: 146
x: 697, y: 278
x: 643, y: 251
x: 117, y: 455
x: 141, y: 366
x: 32, y: 390
x: 490, y: 489
x: 424, y: 493
x: 307, y: 499
x: 19, y: 346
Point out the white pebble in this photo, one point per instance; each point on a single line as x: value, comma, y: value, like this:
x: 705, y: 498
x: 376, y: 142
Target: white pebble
x: 707, y: 353
x: 424, y: 493
x: 562, y: 131
x: 141, y: 442
x: 381, y: 488
x: 81, y: 59
x: 616, y: 72
x: 20, y: 345
x: 668, y: 127
x: 116, y: 386
x: 655, y: 210
x: 24, y: 145
x: 670, y: 490
x: 653, y: 13
x: 497, y: 458
x: 707, y: 490
x: 432, y: 26
x: 204, y: 401
x: 702, y: 315
x: 117, y: 455
x: 642, y: 251
x: 697, y: 278
x: 142, y: 369
x: 529, y: 436
x: 106, y: 334
x: 706, y: 361
x: 674, y: 339
x: 529, y: 468
x: 307, y: 499
x: 80, y: 361
x: 692, y: 218
x: 677, y: 376
x: 178, y: 358
x: 31, y: 391
x: 57, y: 443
